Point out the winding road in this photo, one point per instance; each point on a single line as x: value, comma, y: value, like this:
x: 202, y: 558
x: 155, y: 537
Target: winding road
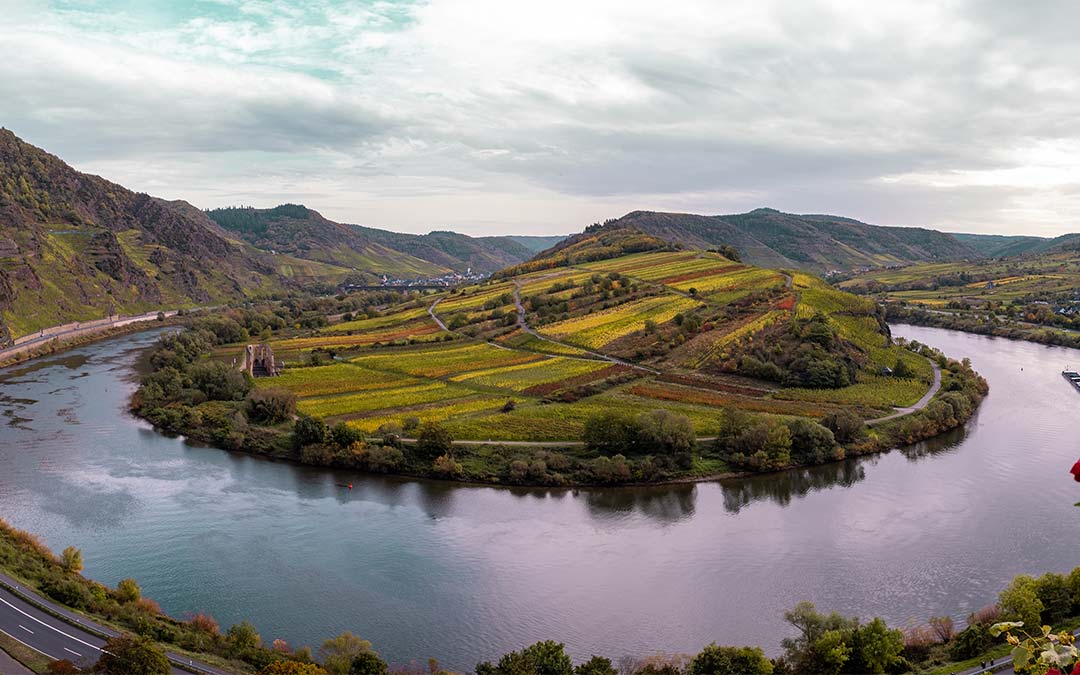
x: 59, y: 633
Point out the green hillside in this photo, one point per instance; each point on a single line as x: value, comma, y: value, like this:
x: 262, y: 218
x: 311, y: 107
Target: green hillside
x: 814, y: 243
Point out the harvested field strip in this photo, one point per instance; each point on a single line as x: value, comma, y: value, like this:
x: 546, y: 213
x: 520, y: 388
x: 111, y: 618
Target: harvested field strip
x: 593, y: 331
x: 436, y: 412
x: 541, y: 284
x: 723, y: 387
x: 585, y: 378
x: 381, y: 399
x: 412, y: 329
x: 712, y: 271
x: 442, y: 361
x: 338, y: 378
x: 639, y: 260
x: 656, y: 272
x: 522, y: 340
x: 391, y: 319
x: 749, y: 277
x: 685, y: 395
x: 473, y: 301
x: 873, y: 392
x: 521, y: 377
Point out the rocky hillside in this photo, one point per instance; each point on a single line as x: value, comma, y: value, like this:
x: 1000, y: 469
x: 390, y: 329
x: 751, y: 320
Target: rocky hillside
x: 77, y: 247
x: 815, y: 243
x: 304, y: 233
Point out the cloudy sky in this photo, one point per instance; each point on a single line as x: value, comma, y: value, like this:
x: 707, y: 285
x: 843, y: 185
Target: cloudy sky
x: 498, y: 116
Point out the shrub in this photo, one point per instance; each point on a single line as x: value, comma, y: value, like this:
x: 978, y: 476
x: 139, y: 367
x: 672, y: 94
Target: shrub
x: 433, y: 440
x: 308, y: 430
x: 270, y: 406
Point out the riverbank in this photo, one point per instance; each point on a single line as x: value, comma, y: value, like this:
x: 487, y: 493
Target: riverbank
x: 979, y: 324
x: 209, y: 401
x: 407, y: 563
x: 52, y: 341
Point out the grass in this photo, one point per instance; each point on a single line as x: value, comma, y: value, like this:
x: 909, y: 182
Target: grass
x: 873, y: 391
x: 31, y: 658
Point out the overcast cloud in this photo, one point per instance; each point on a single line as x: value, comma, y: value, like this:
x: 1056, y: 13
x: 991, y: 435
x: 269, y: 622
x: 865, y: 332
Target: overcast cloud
x: 496, y: 116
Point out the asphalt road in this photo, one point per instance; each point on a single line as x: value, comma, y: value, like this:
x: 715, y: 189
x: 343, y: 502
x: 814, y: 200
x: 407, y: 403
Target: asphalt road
x: 64, y: 638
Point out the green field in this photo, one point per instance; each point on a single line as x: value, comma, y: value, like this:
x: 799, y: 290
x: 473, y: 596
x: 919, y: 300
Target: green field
x: 397, y: 366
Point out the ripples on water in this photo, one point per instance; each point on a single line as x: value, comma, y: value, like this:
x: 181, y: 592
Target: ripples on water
x: 465, y: 573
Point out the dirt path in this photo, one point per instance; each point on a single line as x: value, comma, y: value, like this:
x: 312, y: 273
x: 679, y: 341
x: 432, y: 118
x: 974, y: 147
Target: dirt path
x: 523, y: 325
x: 923, y: 402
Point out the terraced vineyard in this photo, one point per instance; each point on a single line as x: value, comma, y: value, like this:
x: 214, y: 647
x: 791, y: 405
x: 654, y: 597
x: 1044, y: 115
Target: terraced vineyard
x: 668, y: 330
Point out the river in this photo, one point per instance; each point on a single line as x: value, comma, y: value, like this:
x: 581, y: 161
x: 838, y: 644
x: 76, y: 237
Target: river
x: 467, y: 573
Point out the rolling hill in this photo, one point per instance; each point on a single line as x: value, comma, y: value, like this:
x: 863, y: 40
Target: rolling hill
x: 1005, y: 246
x: 304, y: 233
x: 815, y: 243
x: 75, y: 246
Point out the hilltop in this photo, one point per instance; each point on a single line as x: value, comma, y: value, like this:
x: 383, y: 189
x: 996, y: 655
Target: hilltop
x: 814, y: 243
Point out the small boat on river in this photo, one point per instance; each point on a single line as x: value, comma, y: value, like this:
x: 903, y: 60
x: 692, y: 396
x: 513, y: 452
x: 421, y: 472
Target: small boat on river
x: 1072, y: 376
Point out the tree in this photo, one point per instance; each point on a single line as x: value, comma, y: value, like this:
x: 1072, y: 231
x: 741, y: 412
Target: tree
x: 368, y: 663
x: 127, y: 591
x: 1053, y: 592
x: 1019, y: 601
x: 878, y: 647
x: 542, y: 658
x: 336, y: 654
x: 287, y: 667
x: 220, y: 382
x: 71, y: 559
x: 243, y: 636
x: 902, y: 369
x: 308, y: 430
x: 434, y: 440
x: 845, y: 425
x: 811, y: 443
x: 666, y: 432
x: 943, y: 628
x: 344, y: 435
x: 270, y: 406
x: 611, y: 433
x: 715, y: 660
x: 132, y: 655
x: 597, y: 665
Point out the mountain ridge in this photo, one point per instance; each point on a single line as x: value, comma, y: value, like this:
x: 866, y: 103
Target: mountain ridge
x: 812, y: 242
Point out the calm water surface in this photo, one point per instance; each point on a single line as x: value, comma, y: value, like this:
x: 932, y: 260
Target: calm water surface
x: 464, y: 573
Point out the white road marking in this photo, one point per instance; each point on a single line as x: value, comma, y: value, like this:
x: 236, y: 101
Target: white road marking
x: 72, y: 651
x: 84, y: 642
x: 28, y: 646
x: 25, y: 629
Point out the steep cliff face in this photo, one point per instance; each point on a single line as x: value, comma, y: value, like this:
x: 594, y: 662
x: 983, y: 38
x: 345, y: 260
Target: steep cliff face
x: 75, y: 246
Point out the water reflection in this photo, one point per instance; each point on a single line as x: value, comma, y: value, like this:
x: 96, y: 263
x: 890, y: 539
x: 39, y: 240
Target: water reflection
x: 785, y: 486
x: 665, y: 504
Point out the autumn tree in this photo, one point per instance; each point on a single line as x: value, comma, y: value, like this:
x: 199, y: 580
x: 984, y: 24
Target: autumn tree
x: 132, y: 655
x: 71, y: 559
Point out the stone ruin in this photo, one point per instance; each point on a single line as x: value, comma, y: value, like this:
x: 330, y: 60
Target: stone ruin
x: 259, y: 361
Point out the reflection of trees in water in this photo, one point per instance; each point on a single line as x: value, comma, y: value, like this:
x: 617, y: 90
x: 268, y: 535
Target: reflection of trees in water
x: 783, y: 487
x: 938, y: 445
x: 666, y: 503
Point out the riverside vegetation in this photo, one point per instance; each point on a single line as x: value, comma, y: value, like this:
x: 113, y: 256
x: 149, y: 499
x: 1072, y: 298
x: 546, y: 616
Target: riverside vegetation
x: 654, y: 366
x: 819, y: 643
